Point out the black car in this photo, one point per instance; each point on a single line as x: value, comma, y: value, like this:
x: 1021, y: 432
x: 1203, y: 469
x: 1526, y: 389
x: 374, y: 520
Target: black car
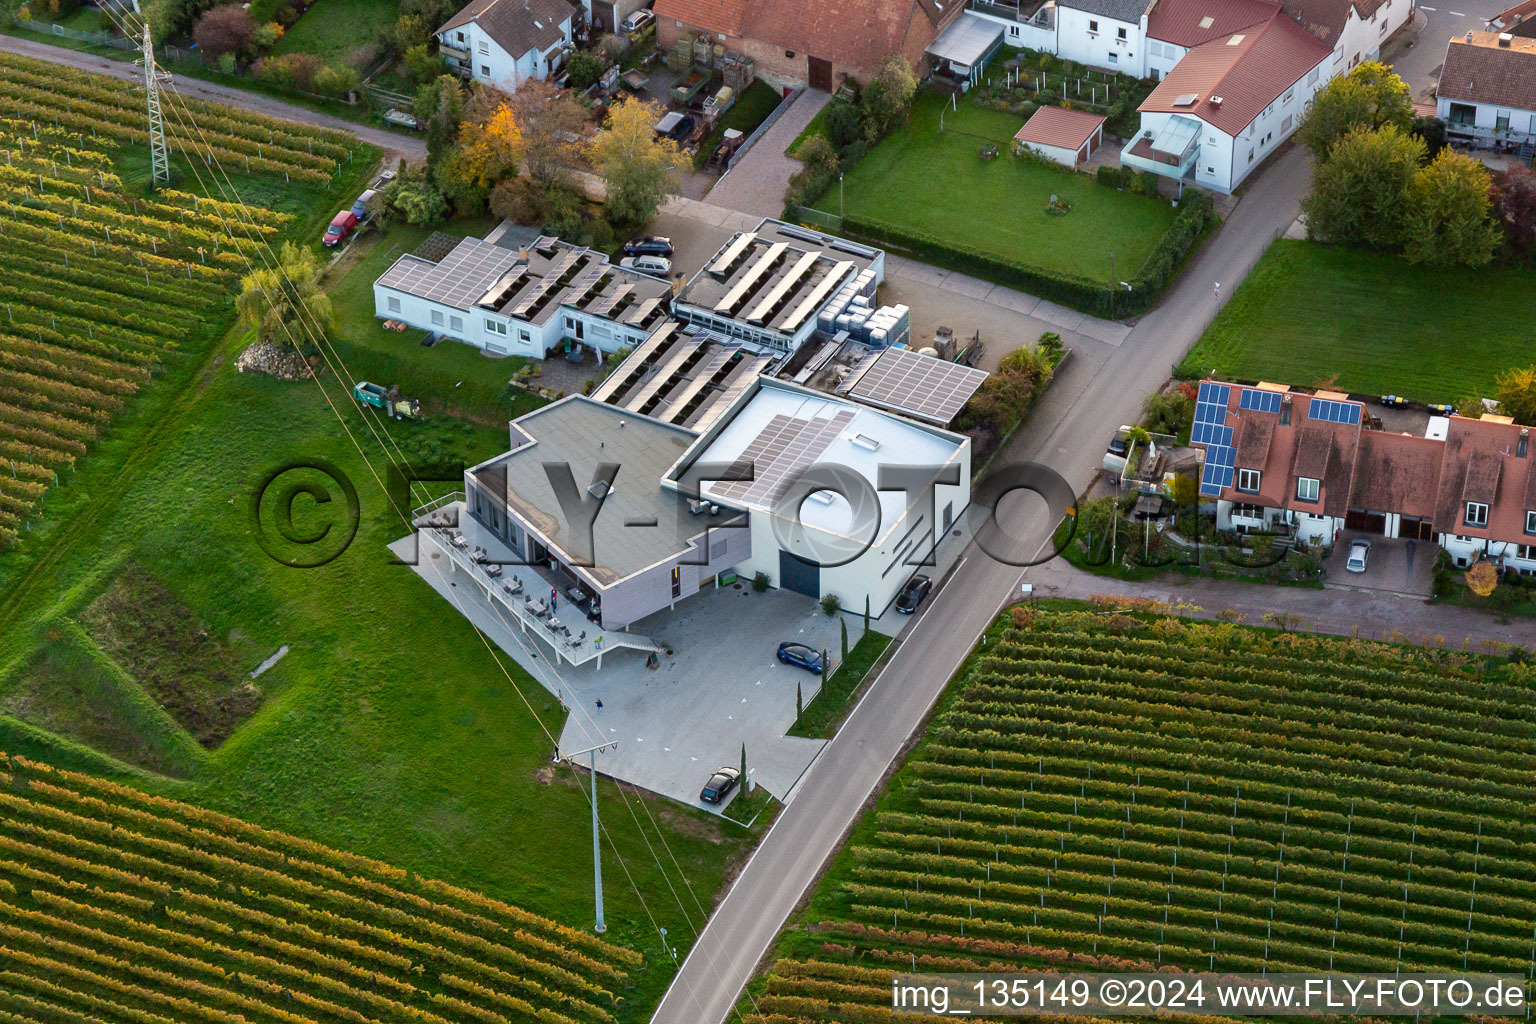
x: 912, y: 594
x: 650, y: 245
x: 799, y: 654
x: 720, y: 785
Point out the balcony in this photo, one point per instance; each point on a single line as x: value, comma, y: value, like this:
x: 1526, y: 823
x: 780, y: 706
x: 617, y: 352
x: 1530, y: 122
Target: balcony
x: 1170, y: 151
x: 453, y: 51
x: 1035, y: 13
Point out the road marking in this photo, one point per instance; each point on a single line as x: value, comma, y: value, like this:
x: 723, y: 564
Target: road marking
x: 1423, y: 8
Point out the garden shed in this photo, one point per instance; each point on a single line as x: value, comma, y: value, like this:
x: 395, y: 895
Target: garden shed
x: 1066, y: 136
x: 962, y: 50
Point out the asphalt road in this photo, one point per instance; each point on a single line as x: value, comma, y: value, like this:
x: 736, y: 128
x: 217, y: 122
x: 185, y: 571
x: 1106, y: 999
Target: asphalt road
x: 1067, y: 432
x: 395, y: 145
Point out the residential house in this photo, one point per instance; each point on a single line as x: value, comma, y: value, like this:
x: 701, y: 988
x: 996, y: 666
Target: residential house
x: 506, y: 42
x: 795, y: 43
x: 1519, y: 20
x: 1487, y: 91
x: 1104, y: 33
x: 1308, y: 464
x: 524, y: 300
x: 1229, y: 102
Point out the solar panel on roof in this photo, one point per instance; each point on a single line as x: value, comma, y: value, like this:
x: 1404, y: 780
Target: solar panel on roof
x: 911, y: 382
x: 1334, y: 412
x: 1260, y: 401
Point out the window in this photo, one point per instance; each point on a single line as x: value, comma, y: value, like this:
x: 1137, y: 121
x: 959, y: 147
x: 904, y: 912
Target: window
x: 1248, y: 480
x: 1526, y: 551
x: 1530, y: 522
x: 1285, y: 125
x: 1477, y: 513
x: 1250, y: 156
x: 437, y: 318
x: 1383, y: 30
x: 394, y: 304
x: 1307, y: 488
x: 1288, y: 94
x: 1120, y: 33
x: 485, y: 71
x: 1312, y: 77
x: 484, y: 46
x: 1114, y: 58
x: 456, y: 322
x: 1501, y: 121
x: 524, y: 337
x: 1093, y: 26
x: 1463, y: 114
x: 1285, y: 413
x: 494, y: 327
x: 459, y: 36
x: 1013, y: 30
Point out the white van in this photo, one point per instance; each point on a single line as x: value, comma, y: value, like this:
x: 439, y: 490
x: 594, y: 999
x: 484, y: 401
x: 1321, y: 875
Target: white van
x: 639, y: 21
x: 660, y: 266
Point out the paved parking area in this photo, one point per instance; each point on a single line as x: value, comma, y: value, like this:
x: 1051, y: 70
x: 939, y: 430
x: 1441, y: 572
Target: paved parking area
x: 676, y: 723
x: 757, y: 183
x: 1395, y: 566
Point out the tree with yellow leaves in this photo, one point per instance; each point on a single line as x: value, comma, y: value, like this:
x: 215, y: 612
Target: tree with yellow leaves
x: 1482, y: 579
x: 490, y: 141
x: 639, y: 167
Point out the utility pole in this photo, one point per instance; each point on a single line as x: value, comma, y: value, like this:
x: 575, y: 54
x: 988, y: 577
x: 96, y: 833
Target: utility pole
x: 597, y: 849
x: 159, y: 156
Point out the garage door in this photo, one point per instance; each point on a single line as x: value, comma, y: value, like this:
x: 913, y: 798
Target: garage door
x: 799, y: 576
x: 1365, y: 522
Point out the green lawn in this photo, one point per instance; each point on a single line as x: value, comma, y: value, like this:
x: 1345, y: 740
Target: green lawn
x: 390, y: 728
x: 935, y: 184
x: 1310, y: 313
x: 331, y: 29
x: 750, y: 110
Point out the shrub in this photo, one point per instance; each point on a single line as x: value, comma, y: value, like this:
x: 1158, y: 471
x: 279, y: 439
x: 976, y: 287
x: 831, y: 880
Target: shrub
x: 585, y: 69
x: 363, y: 57
x: 1107, y: 176
x: 225, y: 63
x: 226, y: 29
x: 851, y: 154
x: 337, y: 80
x: 842, y: 124
x: 1148, y: 183
x: 760, y: 582
x: 266, y: 36
x: 1128, y: 177
x: 830, y: 603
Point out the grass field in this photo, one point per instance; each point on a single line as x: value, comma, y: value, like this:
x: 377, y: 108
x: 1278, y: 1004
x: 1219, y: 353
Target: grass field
x: 138, y: 908
x: 935, y: 184
x: 1107, y: 791
x: 332, y: 29
x: 1374, y: 324
x: 832, y: 704
x: 750, y: 110
x: 390, y: 728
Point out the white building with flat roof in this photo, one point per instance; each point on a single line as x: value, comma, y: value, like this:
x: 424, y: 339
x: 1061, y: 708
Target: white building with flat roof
x: 844, y: 499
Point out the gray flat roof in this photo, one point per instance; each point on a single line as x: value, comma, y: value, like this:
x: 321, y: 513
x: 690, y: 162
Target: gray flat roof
x: 967, y: 40
x: 916, y: 384
x: 530, y: 283
x: 582, y: 432
x: 765, y: 276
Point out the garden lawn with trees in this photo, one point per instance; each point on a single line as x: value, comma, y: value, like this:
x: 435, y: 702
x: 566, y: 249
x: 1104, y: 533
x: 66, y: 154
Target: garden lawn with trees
x: 1110, y: 788
x: 1369, y: 324
x: 997, y: 206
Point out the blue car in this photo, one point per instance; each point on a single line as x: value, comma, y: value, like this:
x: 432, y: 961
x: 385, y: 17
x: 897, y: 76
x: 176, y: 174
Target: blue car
x: 801, y: 655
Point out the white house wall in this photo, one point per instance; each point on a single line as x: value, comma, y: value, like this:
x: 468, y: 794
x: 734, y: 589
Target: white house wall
x: 1487, y: 115
x: 491, y: 64
x: 519, y: 337
x: 1103, y: 48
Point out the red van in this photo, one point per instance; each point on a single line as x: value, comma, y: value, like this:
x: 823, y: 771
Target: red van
x: 341, y: 226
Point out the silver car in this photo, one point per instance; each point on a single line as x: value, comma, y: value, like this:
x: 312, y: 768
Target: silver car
x: 1359, y: 552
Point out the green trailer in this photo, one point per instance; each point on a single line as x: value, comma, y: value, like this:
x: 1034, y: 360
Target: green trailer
x: 387, y: 400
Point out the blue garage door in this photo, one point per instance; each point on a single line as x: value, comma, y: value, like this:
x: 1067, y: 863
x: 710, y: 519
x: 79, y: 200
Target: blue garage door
x: 799, y: 576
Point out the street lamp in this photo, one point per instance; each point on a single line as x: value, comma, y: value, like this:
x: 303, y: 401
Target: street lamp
x: 839, y: 199
x: 597, y: 849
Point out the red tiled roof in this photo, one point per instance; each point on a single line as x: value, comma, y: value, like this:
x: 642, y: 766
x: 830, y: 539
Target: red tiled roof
x: 1248, y: 71
x: 1192, y: 22
x: 1397, y: 473
x: 1480, y: 463
x: 1482, y: 71
x: 1059, y: 126
x: 853, y: 32
x: 1518, y: 20
x: 1325, y: 19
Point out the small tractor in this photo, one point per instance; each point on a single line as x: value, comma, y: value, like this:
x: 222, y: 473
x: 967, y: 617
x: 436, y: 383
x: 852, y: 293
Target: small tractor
x: 389, y: 401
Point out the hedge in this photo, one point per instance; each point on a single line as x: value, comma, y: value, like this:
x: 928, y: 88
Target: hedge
x: 1196, y: 216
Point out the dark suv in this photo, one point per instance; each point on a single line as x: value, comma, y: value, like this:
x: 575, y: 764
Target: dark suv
x: 650, y: 245
x: 801, y: 655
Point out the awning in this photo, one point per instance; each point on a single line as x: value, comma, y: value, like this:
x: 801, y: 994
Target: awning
x: 1176, y: 136
x: 968, y: 41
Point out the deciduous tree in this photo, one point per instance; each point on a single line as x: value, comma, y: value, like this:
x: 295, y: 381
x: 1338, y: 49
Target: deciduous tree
x: 640, y: 168
x: 1516, y: 394
x: 1360, y: 195
x: 1514, y: 207
x: 552, y: 124
x: 1482, y: 579
x: 440, y: 105
x: 1450, y: 214
x: 284, y: 302
x: 887, y: 99
x: 1370, y: 96
x: 490, y: 139
x: 226, y: 29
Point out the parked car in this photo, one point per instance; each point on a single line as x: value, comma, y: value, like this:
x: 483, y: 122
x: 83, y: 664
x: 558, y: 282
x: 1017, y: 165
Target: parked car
x: 801, y: 655
x: 658, y: 265
x: 675, y: 125
x: 912, y: 594
x: 364, y: 207
x: 720, y: 785
x: 650, y: 245
x: 639, y: 21
x: 340, y: 227
x: 1359, y: 552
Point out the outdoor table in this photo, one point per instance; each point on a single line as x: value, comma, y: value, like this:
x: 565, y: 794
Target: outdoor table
x: 537, y: 605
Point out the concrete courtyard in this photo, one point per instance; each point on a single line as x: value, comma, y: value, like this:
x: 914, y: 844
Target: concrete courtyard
x: 1395, y: 566
x: 675, y: 723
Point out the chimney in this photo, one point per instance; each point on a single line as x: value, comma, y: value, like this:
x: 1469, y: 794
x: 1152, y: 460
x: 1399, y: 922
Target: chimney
x: 1505, y: 39
x: 1469, y: 37
x: 1215, y: 101
x: 522, y: 254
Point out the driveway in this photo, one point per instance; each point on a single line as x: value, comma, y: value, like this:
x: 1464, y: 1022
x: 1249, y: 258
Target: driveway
x: 756, y: 184
x: 1395, y: 566
x: 395, y: 145
x: 677, y: 722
